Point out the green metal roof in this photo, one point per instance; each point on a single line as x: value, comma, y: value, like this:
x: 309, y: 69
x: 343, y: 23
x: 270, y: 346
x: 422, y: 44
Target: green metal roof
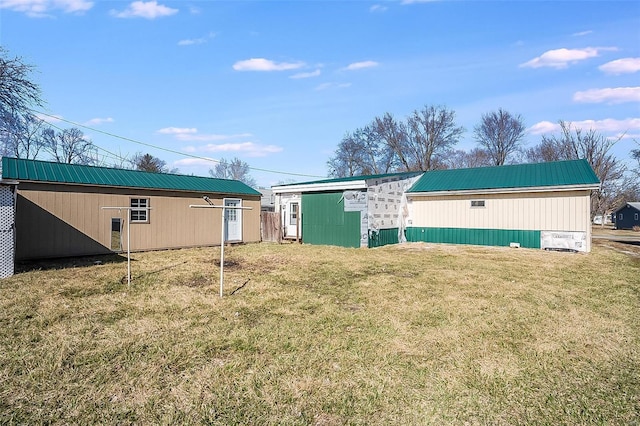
x: 353, y: 178
x: 557, y: 173
x: 44, y: 171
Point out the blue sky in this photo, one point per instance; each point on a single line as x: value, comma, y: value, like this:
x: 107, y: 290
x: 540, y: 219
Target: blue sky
x: 278, y: 83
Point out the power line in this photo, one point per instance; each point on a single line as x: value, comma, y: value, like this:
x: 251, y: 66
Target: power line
x: 111, y: 155
x: 166, y: 149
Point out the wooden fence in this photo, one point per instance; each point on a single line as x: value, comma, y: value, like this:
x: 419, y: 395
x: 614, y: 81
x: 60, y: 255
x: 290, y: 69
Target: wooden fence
x: 270, y: 229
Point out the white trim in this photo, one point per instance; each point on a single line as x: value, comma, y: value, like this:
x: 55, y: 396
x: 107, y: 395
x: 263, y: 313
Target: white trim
x: 327, y: 186
x: 564, y: 188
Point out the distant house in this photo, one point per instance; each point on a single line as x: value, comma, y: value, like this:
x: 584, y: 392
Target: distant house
x: 627, y: 216
x: 544, y: 205
x: 356, y: 211
x: 267, y: 200
x: 60, y: 209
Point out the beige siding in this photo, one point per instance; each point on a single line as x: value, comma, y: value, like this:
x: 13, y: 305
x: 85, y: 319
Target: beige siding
x: 548, y: 211
x: 58, y: 220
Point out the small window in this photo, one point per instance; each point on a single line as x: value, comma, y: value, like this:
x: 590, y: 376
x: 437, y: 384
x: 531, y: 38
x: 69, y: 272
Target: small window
x: 232, y: 215
x: 293, y: 218
x: 635, y: 216
x: 477, y: 203
x: 620, y: 216
x: 116, y: 234
x: 139, y: 210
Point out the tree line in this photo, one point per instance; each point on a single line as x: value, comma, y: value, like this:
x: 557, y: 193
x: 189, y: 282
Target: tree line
x: 426, y: 140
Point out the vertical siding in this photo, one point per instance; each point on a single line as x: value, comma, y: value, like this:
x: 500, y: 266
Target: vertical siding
x: 484, y: 237
x: 324, y: 221
x: 53, y: 221
x: 383, y: 237
x: 568, y: 211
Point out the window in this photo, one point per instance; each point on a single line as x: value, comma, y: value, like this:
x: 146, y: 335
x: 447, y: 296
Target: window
x: 232, y: 215
x: 635, y: 216
x: 477, y: 203
x: 293, y: 218
x: 139, y: 210
x: 620, y: 216
x: 116, y: 234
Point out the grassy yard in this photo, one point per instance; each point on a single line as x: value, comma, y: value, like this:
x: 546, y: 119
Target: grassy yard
x: 410, y: 334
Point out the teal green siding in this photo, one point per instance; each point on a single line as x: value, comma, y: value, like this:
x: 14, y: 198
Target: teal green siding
x: 485, y: 237
x: 324, y: 221
x: 383, y: 237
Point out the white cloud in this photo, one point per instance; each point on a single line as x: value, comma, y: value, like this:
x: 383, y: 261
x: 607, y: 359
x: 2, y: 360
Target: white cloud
x: 262, y: 64
x: 41, y: 8
x: 147, y: 10
x: 326, y: 86
x: 582, y: 33
x: 378, y: 8
x: 315, y: 73
x: 98, y: 121
x: 417, y: 1
x: 608, y: 125
x: 192, y: 41
x: 615, y: 95
x: 562, y: 58
x: 194, y: 162
x: 248, y: 148
x: 361, y: 65
x: 208, y: 137
x: 178, y: 130
x: 621, y: 66
x: 49, y: 118
x: 229, y: 142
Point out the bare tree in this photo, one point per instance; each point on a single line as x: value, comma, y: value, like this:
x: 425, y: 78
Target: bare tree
x: 69, y: 146
x: 635, y: 154
x: 460, y: 159
x: 19, y: 129
x: 393, y: 134
x: 349, y: 158
x: 21, y: 136
x: 17, y: 91
x: 432, y: 131
x: 235, y: 169
x: 360, y: 153
x: 149, y: 163
x: 500, y: 133
x: 573, y: 144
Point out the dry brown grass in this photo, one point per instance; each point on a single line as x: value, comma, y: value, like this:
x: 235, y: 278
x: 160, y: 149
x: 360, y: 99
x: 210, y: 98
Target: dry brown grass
x: 407, y: 334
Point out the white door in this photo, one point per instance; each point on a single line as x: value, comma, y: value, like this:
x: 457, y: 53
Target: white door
x: 233, y: 220
x: 291, y: 214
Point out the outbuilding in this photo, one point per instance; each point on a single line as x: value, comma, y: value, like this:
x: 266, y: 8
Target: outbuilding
x: 61, y: 209
x: 544, y: 205
x: 627, y: 216
x: 355, y: 211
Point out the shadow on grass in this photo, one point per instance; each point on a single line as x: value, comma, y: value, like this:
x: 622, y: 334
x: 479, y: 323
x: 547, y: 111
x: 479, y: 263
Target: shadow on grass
x: 157, y: 271
x: 67, y: 262
x: 628, y: 242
